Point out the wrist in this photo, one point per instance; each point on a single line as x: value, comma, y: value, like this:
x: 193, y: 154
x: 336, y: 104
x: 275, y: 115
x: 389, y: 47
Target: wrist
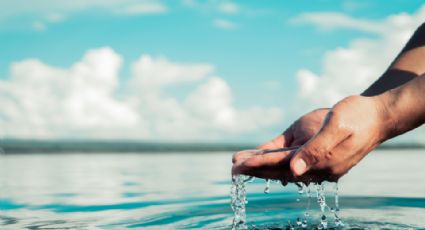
x: 389, y: 117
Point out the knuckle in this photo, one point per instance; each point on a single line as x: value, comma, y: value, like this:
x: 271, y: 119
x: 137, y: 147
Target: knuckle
x: 328, y: 156
x: 337, y: 123
x: 236, y: 156
x: 317, y: 150
x: 335, y: 118
x: 252, y: 163
x: 313, y: 153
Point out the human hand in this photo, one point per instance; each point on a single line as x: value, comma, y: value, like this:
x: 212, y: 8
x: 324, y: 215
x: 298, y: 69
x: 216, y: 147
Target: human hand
x: 353, y: 127
x: 251, y: 162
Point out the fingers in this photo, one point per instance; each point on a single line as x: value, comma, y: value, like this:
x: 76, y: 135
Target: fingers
x: 277, y: 142
x: 262, y: 165
x: 274, y: 174
x: 243, y: 155
x: 315, y: 150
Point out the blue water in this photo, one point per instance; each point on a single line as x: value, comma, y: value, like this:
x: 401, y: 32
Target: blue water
x: 184, y: 191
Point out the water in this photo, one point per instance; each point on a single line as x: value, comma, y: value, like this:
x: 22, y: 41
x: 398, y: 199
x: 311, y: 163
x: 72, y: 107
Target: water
x: 267, y: 188
x: 238, y: 202
x: 191, y: 191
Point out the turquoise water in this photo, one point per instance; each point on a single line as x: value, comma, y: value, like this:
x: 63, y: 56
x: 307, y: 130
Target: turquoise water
x: 184, y: 191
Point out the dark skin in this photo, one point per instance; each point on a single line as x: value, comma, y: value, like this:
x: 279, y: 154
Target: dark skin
x: 332, y: 141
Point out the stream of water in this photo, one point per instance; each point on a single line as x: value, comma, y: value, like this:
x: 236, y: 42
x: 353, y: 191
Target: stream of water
x: 327, y: 211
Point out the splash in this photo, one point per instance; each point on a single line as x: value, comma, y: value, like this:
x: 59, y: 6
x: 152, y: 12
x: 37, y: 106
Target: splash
x: 302, y: 223
x: 338, y: 221
x: 238, y: 202
x: 321, y: 200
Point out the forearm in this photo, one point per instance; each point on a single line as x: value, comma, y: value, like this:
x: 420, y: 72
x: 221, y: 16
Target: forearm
x: 404, y: 107
x: 409, y: 64
x: 391, y: 79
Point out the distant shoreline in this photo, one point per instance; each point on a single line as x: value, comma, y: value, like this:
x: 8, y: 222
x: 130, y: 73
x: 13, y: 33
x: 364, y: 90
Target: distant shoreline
x: 12, y: 146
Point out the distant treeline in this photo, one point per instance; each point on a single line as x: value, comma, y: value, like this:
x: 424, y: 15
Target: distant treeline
x: 12, y: 146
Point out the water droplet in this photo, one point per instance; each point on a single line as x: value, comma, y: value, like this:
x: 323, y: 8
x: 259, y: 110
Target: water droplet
x: 339, y: 223
x: 323, y: 222
x: 239, y: 201
x: 336, y: 197
x: 300, y: 188
x: 267, y: 188
x: 321, y: 200
x: 299, y: 222
x: 290, y: 226
x: 249, y: 179
x: 304, y: 224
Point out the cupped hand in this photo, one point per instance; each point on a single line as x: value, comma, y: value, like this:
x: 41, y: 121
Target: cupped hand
x: 276, y: 165
x: 353, y: 128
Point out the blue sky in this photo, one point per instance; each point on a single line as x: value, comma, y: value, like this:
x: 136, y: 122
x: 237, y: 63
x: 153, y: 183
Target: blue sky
x: 256, y: 47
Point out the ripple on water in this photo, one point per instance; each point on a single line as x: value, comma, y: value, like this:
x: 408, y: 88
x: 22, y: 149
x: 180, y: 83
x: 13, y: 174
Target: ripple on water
x: 264, y: 212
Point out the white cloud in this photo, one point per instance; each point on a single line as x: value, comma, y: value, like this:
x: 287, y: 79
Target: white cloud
x: 224, y: 24
x: 41, y: 101
x: 55, y: 18
x: 349, y: 70
x: 351, y: 5
x: 155, y: 73
x: 50, y: 11
x: 11, y: 8
x: 144, y: 8
x: 189, y: 3
x: 39, y: 26
x: 213, y: 7
x: 335, y: 20
x: 228, y: 8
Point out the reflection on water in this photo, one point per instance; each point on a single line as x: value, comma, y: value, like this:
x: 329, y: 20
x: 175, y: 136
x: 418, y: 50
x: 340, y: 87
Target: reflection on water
x: 181, y: 191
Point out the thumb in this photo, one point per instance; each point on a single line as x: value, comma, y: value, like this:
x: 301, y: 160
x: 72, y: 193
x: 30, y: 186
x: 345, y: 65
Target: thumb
x: 309, y: 155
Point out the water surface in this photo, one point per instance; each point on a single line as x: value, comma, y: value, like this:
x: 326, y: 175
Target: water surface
x: 183, y: 191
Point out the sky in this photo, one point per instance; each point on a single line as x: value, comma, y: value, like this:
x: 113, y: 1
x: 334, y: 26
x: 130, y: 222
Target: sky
x: 188, y: 70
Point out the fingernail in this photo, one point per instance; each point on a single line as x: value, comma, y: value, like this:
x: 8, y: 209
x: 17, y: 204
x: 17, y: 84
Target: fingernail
x: 300, y: 167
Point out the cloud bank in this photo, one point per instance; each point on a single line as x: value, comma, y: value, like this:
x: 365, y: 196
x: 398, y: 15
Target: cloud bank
x: 350, y: 70
x: 12, y: 8
x: 46, y: 12
x: 89, y: 100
